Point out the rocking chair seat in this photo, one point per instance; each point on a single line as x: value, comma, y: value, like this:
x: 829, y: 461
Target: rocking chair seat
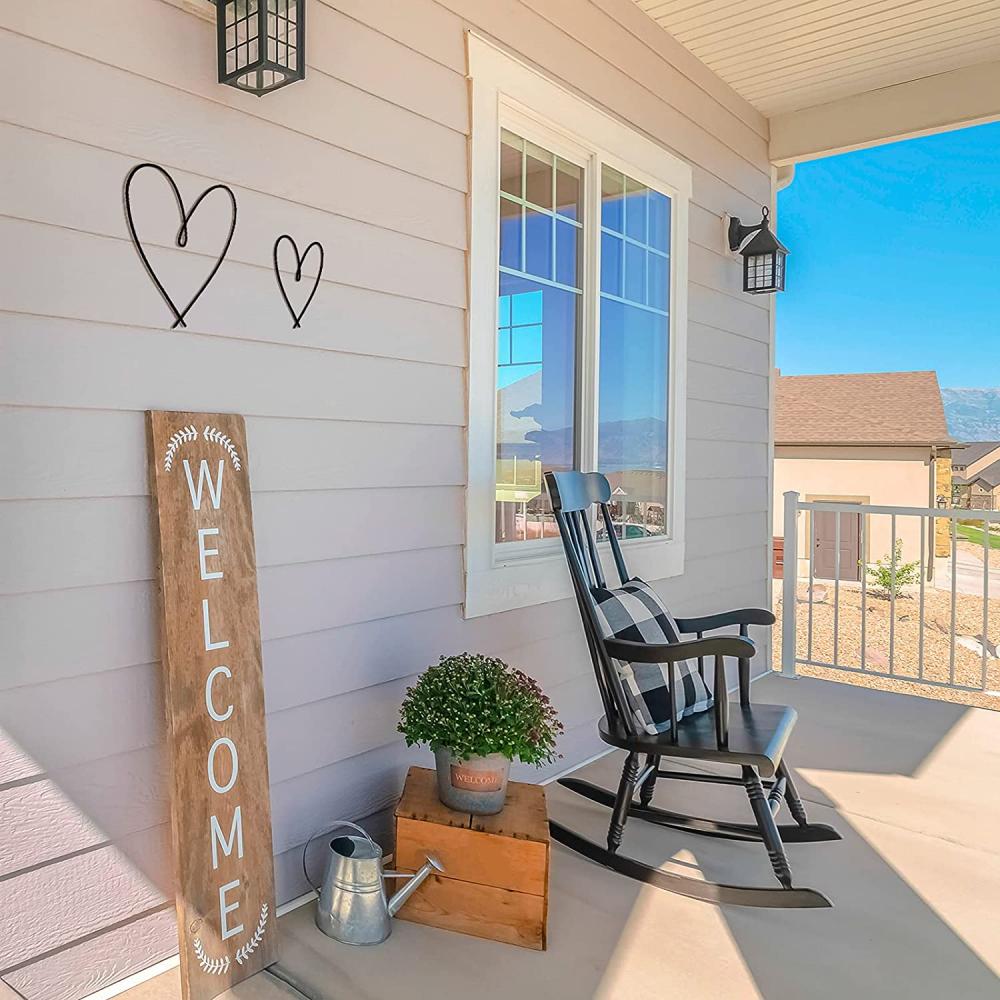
x: 757, y: 737
x: 640, y: 672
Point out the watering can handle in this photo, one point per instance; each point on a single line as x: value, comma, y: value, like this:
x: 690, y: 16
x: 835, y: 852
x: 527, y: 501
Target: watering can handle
x: 319, y: 833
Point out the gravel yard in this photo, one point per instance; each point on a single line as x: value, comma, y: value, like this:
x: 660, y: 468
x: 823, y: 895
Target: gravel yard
x: 906, y: 640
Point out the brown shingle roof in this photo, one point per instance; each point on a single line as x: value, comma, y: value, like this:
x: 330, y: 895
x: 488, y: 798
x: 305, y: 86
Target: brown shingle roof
x: 870, y: 408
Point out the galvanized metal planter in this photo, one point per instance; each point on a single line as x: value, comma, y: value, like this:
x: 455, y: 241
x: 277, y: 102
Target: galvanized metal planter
x: 477, y: 785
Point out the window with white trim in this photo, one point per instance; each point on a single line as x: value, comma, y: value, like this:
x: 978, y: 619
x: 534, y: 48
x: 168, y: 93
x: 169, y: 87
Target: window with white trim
x: 577, y: 330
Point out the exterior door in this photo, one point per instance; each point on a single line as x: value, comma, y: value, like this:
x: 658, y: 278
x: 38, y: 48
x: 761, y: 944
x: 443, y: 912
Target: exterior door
x: 825, y: 545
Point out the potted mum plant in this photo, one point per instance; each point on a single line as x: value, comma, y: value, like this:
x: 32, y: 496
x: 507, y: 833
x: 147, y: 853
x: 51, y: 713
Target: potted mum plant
x: 477, y: 714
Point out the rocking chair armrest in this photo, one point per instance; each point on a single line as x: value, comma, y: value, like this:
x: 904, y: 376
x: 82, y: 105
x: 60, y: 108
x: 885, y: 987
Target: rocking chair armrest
x: 743, y: 616
x: 672, y: 652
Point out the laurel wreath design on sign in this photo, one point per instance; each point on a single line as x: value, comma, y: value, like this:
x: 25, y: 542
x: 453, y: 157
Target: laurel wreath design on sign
x: 220, y: 966
x: 185, y: 434
x: 251, y: 946
x: 213, y: 434
x: 213, y: 966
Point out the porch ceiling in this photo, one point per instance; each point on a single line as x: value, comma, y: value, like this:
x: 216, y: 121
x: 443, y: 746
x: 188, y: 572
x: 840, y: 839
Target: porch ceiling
x: 841, y: 74
x: 783, y: 55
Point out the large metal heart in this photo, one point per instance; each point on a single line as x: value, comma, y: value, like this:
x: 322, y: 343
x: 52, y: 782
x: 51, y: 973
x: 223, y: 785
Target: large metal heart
x: 182, y: 234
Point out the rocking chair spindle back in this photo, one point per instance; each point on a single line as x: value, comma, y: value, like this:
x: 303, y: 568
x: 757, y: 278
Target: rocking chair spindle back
x: 752, y: 739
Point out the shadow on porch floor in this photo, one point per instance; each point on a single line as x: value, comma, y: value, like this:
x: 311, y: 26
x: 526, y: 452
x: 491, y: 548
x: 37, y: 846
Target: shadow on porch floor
x: 914, y: 787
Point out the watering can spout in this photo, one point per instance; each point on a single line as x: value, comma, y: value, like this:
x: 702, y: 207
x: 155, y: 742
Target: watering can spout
x: 413, y: 883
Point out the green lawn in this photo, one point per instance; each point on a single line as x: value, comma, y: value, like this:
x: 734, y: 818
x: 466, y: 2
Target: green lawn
x: 971, y: 534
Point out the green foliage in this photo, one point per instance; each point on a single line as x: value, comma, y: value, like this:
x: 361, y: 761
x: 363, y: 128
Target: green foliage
x: 475, y: 705
x: 881, y: 575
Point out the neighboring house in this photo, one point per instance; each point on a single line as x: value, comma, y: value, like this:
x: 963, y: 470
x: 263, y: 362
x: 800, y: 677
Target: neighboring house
x: 875, y: 438
x: 976, y: 476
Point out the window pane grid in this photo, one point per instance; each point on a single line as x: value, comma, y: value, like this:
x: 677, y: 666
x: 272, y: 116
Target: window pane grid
x: 634, y: 353
x: 516, y: 272
x: 543, y: 229
x: 538, y: 312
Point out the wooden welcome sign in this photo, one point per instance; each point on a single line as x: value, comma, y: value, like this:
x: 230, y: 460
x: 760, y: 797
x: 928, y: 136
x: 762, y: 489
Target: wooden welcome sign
x: 214, y: 699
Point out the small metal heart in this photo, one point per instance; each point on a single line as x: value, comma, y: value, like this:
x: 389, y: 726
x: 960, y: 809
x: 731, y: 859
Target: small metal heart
x: 299, y: 260
x: 182, y: 234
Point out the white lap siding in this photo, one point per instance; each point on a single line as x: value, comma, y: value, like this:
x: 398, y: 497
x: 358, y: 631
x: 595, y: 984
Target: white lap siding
x: 355, y: 421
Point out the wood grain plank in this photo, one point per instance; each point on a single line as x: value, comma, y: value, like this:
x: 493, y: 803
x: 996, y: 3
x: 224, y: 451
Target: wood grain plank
x: 295, y: 664
x: 603, y: 32
x: 296, y: 599
x: 128, y: 367
x: 221, y: 820
x: 102, y: 281
x: 90, y: 760
x: 480, y: 910
x: 709, y: 383
x: 728, y: 422
x: 77, y: 186
x: 122, y: 794
x: 653, y: 35
x: 77, y: 543
x: 392, y: 68
x: 498, y: 861
x: 95, y: 889
x: 527, y: 31
x: 179, y: 51
x: 713, y: 308
x: 226, y: 145
x: 713, y: 460
x: 41, y: 824
x: 422, y: 25
x: 708, y: 498
x: 82, y: 969
x: 724, y: 349
x: 98, y: 453
x: 82, y: 704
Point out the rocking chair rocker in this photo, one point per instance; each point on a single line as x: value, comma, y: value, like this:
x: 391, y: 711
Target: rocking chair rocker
x: 656, y: 704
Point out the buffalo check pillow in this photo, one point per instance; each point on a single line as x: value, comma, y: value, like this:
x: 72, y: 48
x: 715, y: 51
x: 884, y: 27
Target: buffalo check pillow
x: 634, y: 612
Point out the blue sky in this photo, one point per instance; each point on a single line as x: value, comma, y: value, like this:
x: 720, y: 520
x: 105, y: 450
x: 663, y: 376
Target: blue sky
x: 895, y: 260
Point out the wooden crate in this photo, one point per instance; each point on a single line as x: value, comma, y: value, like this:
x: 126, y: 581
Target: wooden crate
x: 496, y: 879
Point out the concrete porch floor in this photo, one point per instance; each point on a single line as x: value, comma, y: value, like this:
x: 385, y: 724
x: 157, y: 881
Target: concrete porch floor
x: 912, y: 784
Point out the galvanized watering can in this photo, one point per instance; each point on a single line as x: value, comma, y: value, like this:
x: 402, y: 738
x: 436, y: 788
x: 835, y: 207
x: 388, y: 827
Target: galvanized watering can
x: 353, y: 907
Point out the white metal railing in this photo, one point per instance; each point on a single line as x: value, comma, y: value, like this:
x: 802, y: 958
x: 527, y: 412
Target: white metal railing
x: 950, y: 587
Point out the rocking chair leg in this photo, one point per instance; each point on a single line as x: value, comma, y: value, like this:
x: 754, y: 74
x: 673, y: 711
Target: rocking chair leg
x: 626, y: 788
x: 768, y: 828
x: 647, y: 787
x: 795, y: 806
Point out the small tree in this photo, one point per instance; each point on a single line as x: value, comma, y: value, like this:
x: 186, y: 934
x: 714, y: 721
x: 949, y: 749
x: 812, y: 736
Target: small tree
x: 881, y: 575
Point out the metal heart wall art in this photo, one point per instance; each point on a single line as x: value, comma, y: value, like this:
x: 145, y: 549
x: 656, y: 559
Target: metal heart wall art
x: 299, y: 261
x: 181, y: 238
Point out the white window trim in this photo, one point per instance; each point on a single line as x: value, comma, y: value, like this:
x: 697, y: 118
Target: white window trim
x: 508, y: 91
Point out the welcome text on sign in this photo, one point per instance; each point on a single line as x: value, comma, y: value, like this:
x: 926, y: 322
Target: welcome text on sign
x: 214, y: 696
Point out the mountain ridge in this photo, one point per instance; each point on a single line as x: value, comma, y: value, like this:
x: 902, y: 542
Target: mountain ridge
x: 972, y: 414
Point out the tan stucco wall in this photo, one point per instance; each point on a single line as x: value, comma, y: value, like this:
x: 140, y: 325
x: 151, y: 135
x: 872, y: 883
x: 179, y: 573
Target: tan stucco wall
x: 896, y: 477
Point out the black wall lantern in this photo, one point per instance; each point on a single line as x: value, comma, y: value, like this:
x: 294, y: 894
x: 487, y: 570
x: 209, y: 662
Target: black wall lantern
x: 262, y: 43
x: 763, y: 255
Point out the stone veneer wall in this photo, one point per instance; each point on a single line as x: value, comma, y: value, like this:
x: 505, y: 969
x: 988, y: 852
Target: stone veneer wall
x: 942, y: 488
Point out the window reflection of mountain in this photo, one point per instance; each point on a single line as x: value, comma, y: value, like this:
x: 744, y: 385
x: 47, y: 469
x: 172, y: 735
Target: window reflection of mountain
x: 632, y: 453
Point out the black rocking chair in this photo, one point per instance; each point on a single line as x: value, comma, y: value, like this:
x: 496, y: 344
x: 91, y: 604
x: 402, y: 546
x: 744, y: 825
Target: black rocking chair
x: 752, y: 738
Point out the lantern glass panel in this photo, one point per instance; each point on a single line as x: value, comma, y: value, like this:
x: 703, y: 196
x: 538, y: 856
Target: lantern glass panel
x: 764, y: 272
x: 260, y: 43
